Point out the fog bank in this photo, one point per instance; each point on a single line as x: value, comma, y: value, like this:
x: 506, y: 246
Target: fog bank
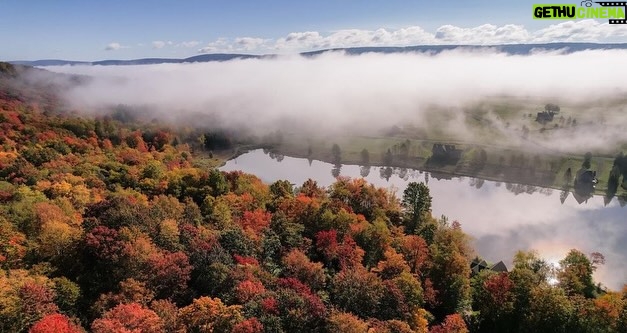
x: 335, y: 91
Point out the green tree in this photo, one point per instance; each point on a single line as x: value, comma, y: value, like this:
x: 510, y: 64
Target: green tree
x: 529, y: 271
x: 550, y: 310
x: 450, y: 269
x: 281, y: 189
x: 417, y: 205
x: 218, y: 182
x: 67, y: 294
x: 575, y: 274
x: 357, y: 291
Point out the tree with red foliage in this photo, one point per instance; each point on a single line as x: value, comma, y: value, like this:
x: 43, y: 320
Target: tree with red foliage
x: 169, y: 274
x: 55, y: 323
x: 494, y: 299
x: 128, y: 318
x: 299, y: 307
x: 241, y: 260
x: 350, y: 254
x: 270, y: 305
x: 104, y: 243
x: 326, y: 243
x: 416, y: 252
x: 37, y: 301
x: 161, y: 139
x: 499, y: 287
x: 251, y: 325
x: 247, y: 289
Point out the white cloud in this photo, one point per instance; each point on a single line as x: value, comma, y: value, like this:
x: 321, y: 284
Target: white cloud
x: 300, y: 40
x: 220, y: 45
x: 580, y: 31
x: 248, y: 43
x: 158, y: 44
x: 113, y: 46
x: 191, y: 43
x: 486, y: 34
x: 311, y: 40
x: 483, y: 34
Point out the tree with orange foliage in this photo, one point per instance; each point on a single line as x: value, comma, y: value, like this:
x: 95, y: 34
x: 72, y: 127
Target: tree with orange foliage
x: 128, y: 318
x: 255, y: 221
x: 392, y: 266
x: 169, y: 314
x: 208, y: 314
x: 453, y: 323
x: 136, y: 141
x: 298, y: 265
x: 12, y: 245
x: 346, y: 323
x: 416, y: 252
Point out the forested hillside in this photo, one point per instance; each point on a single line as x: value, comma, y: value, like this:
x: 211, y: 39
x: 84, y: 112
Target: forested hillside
x: 109, y: 227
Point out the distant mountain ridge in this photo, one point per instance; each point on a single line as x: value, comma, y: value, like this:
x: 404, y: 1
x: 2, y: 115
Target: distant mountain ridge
x: 513, y: 49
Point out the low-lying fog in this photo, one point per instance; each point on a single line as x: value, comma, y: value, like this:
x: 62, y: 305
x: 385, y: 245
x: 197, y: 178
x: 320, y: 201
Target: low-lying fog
x: 336, y: 92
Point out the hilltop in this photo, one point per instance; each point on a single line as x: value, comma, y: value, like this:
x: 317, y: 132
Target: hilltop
x: 512, y: 49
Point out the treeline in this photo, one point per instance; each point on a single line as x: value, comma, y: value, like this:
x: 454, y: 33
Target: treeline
x: 115, y: 230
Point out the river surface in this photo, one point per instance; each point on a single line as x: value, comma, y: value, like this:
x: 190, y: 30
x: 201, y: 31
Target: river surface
x: 502, y: 218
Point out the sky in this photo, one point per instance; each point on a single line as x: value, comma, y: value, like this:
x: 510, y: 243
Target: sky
x: 115, y: 29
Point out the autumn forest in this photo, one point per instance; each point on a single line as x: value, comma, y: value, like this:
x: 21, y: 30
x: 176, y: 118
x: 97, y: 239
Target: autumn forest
x: 115, y: 225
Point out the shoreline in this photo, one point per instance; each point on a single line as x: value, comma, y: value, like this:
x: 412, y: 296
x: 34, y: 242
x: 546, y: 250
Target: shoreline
x: 433, y: 171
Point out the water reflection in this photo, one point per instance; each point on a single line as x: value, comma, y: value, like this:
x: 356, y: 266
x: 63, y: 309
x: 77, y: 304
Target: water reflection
x: 364, y: 170
x: 502, y: 218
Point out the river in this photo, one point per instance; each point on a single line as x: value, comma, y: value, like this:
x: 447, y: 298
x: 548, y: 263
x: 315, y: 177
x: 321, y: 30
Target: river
x: 501, y: 218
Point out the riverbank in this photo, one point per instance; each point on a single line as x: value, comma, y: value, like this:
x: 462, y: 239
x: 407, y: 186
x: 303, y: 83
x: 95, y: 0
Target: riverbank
x: 487, y: 162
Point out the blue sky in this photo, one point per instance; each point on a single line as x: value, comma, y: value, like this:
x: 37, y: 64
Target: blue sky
x: 90, y: 30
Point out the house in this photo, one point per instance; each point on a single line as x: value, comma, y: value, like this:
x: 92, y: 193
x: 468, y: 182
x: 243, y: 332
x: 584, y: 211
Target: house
x: 586, y: 177
x: 585, y: 181
x: 477, y: 265
x: 544, y: 117
x: 444, y: 153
